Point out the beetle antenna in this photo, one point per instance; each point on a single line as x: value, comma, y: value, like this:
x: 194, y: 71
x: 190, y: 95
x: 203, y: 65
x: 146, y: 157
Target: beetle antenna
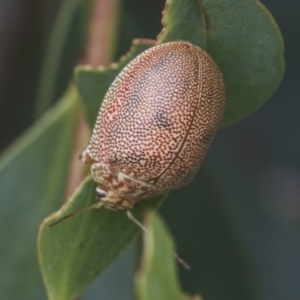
x: 94, y: 206
x: 139, y: 224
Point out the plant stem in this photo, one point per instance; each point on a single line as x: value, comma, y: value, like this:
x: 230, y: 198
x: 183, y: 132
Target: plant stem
x: 100, y: 45
x: 77, y: 170
x: 104, y: 22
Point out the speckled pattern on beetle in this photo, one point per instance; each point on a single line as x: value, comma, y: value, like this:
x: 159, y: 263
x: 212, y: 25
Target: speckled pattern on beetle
x: 155, y: 124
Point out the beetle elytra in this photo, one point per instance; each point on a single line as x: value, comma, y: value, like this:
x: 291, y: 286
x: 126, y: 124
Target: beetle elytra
x: 155, y: 124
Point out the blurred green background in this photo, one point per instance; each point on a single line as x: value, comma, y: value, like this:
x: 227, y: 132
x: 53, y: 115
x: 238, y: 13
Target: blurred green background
x: 238, y: 226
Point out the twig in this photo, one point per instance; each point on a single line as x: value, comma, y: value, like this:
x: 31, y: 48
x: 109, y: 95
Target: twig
x: 102, y: 32
x: 99, y: 48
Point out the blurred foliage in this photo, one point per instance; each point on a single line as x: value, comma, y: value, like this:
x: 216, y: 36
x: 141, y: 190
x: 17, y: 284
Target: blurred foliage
x: 67, y: 38
x: 33, y: 176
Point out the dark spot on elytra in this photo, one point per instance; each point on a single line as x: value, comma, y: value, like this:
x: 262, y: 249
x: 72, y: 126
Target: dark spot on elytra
x: 161, y: 119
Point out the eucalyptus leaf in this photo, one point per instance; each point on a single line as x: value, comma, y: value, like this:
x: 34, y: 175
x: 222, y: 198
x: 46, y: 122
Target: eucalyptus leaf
x: 157, y: 277
x: 33, y: 176
x: 93, y: 83
x: 184, y: 20
x: 74, y: 252
x: 244, y: 40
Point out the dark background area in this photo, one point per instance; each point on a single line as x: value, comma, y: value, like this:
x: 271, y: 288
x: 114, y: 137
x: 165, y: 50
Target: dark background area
x: 239, y: 224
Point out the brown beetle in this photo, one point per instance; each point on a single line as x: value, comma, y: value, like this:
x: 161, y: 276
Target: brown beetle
x: 155, y: 124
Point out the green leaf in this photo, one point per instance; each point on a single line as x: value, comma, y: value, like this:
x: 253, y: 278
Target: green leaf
x: 183, y: 20
x: 243, y: 39
x: 73, y: 253
x: 93, y: 83
x: 33, y: 175
x: 65, y: 42
x: 157, y: 277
